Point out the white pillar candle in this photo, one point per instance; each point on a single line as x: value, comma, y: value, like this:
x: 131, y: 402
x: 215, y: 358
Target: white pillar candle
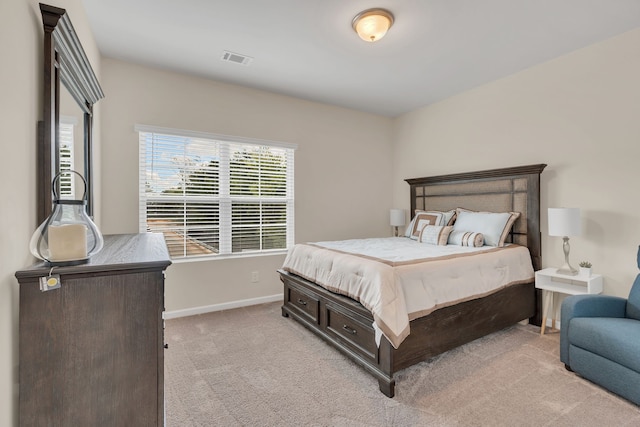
x: 67, y: 242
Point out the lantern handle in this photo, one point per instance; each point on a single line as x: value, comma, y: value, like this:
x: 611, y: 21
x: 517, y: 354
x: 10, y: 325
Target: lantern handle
x: 56, y: 196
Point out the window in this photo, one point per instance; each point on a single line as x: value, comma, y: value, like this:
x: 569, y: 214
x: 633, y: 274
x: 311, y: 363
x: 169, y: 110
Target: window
x: 65, y: 135
x: 215, y: 195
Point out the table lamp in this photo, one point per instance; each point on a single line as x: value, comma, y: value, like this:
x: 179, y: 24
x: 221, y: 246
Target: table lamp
x: 396, y: 218
x: 565, y: 222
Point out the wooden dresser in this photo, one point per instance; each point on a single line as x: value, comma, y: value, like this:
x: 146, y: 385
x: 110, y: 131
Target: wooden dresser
x: 91, y: 351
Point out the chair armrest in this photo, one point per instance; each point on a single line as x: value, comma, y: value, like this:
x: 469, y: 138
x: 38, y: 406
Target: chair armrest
x: 586, y: 306
x: 593, y: 306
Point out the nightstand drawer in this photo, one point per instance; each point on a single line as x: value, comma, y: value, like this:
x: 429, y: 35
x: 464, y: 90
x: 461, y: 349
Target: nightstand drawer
x: 549, y: 280
x: 352, y: 329
x: 303, y: 303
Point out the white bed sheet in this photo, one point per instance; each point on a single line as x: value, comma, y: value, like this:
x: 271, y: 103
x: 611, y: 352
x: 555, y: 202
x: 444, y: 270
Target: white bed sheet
x: 399, y: 279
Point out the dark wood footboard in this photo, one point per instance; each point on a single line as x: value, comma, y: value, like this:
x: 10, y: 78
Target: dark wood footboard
x: 347, y: 325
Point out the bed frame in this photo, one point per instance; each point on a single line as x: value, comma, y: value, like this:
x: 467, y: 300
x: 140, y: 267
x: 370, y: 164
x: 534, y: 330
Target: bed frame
x: 346, y: 324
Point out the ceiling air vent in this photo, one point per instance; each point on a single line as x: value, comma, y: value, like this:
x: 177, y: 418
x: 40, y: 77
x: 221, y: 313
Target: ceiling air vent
x: 236, y: 58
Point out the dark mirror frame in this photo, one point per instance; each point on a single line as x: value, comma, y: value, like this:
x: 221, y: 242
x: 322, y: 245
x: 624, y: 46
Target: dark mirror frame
x: 64, y: 62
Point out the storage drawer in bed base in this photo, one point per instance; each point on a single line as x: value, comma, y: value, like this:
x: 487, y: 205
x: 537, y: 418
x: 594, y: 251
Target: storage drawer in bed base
x: 353, y: 330
x: 303, y: 303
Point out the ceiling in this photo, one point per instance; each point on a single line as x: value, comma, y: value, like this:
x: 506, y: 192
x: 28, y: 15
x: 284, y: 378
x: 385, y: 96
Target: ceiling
x: 307, y: 48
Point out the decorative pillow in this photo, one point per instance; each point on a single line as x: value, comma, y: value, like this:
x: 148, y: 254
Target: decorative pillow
x: 494, y: 226
x: 466, y: 238
x: 435, y: 234
x: 423, y: 218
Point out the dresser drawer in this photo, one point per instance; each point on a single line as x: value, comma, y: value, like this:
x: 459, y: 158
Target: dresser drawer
x: 304, y: 303
x: 352, y: 329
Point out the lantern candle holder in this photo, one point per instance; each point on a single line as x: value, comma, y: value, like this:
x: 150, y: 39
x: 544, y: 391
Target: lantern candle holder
x: 68, y: 236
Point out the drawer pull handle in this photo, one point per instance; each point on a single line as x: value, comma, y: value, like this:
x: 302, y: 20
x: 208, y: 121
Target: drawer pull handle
x: 350, y: 330
x: 301, y: 301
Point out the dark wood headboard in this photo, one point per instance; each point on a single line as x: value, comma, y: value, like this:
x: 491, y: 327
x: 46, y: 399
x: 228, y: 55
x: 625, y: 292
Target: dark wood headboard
x: 515, y: 189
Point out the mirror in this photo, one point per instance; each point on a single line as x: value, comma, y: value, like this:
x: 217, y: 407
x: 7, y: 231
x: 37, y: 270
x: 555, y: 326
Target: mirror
x: 65, y: 133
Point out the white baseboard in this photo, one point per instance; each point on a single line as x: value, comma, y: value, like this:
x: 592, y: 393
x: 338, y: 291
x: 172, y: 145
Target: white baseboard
x: 549, y: 322
x: 219, y: 307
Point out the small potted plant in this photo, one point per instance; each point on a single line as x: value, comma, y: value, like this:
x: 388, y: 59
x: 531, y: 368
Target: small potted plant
x: 585, y: 268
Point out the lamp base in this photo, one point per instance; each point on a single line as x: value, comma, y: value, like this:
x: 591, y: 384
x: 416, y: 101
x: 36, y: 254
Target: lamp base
x: 567, y: 270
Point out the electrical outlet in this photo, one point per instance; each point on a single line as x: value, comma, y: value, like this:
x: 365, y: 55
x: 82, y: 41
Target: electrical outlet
x: 255, y: 277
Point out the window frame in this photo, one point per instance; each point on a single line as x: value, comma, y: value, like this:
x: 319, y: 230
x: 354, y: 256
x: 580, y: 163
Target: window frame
x: 224, y: 199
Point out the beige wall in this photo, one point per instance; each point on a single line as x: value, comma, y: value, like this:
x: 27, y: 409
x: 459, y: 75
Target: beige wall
x: 580, y: 115
x: 20, y: 109
x: 342, y: 167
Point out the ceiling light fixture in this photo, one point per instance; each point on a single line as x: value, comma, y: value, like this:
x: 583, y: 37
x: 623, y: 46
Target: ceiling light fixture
x: 372, y: 24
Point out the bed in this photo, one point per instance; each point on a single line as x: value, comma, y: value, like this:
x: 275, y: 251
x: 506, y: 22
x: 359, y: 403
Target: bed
x: 347, y: 325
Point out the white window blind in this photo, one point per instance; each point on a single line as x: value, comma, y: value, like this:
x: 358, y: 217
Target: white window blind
x: 67, y: 181
x: 214, y: 195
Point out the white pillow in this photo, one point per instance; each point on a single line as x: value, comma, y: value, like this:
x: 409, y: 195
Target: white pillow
x: 466, y: 238
x: 494, y: 226
x: 435, y: 234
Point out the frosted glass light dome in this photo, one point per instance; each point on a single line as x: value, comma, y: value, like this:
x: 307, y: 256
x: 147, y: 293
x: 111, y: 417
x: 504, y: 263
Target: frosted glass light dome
x: 372, y: 24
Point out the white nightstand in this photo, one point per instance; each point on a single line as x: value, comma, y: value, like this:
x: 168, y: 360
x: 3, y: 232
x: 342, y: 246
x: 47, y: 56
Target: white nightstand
x: 550, y: 281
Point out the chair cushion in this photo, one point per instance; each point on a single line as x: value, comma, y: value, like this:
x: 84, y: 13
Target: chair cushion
x: 633, y: 303
x: 612, y: 338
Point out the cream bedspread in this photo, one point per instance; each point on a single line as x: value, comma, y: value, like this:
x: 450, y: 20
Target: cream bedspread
x: 399, y: 279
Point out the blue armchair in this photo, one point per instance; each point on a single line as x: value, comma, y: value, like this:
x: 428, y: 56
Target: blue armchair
x: 600, y: 340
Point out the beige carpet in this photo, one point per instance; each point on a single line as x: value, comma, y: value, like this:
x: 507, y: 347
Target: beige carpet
x: 253, y: 367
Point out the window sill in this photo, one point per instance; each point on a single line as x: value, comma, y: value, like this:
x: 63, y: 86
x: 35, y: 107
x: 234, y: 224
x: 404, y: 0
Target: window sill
x: 278, y: 252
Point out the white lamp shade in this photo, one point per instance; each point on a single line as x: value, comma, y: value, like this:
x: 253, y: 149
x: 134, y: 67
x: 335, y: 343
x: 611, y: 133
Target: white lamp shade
x: 564, y: 222
x: 396, y: 217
